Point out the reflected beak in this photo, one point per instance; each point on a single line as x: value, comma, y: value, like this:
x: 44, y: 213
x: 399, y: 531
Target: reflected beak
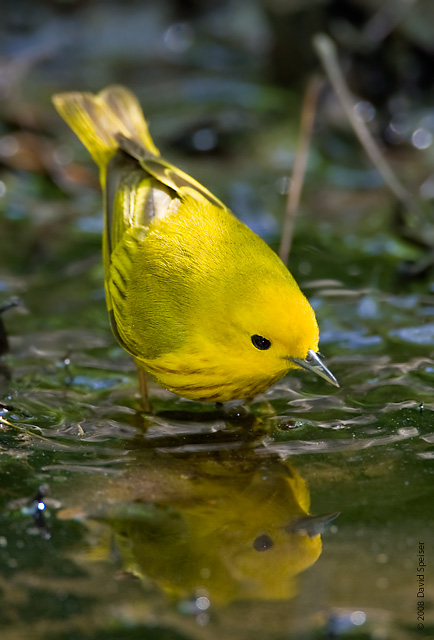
x: 315, y: 364
x: 312, y: 525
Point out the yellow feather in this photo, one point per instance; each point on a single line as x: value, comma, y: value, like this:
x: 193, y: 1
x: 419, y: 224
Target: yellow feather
x: 199, y: 300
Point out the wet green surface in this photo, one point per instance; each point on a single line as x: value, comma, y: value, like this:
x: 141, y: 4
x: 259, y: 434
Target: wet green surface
x: 192, y: 522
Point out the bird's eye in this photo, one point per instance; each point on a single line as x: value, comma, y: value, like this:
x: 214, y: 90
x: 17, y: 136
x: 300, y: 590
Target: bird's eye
x: 260, y: 342
x: 262, y: 543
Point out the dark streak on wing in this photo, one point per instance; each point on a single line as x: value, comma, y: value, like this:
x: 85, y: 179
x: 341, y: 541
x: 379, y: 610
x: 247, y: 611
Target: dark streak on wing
x: 163, y: 171
x: 121, y: 268
x: 133, y: 148
x: 119, y: 289
x: 177, y: 179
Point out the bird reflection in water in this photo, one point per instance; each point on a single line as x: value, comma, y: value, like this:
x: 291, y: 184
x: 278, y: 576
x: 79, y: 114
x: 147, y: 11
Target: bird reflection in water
x: 227, y: 525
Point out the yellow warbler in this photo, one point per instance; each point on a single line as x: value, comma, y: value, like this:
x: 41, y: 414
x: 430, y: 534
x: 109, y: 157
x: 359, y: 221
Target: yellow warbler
x: 243, y: 517
x: 199, y: 300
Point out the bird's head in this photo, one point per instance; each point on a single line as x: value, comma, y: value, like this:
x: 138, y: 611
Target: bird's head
x: 276, y: 328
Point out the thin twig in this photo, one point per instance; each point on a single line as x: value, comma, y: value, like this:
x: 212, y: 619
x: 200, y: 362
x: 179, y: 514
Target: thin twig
x: 308, y: 111
x: 23, y: 429
x: 386, y: 19
x: 326, y: 51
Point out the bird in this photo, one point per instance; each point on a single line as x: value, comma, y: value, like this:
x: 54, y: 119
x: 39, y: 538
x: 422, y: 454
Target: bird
x: 199, y: 300
x: 244, y: 517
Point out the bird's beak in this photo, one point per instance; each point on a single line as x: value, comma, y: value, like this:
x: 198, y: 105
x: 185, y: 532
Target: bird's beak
x: 312, y: 525
x: 315, y: 364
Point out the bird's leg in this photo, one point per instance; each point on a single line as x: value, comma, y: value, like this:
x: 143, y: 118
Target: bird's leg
x: 143, y: 387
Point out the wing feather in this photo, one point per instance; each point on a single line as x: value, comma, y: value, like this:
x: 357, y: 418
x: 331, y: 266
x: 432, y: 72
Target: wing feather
x: 167, y: 173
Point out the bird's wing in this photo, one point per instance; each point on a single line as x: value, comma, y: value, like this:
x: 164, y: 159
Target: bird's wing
x: 166, y: 173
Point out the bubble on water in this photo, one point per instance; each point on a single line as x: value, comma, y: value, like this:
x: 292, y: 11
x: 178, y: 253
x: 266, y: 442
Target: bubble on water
x: 203, y: 603
x: 358, y: 618
x: 422, y: 138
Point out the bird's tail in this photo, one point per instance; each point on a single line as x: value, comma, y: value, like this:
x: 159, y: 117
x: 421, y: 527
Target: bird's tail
x: 97, y: 119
